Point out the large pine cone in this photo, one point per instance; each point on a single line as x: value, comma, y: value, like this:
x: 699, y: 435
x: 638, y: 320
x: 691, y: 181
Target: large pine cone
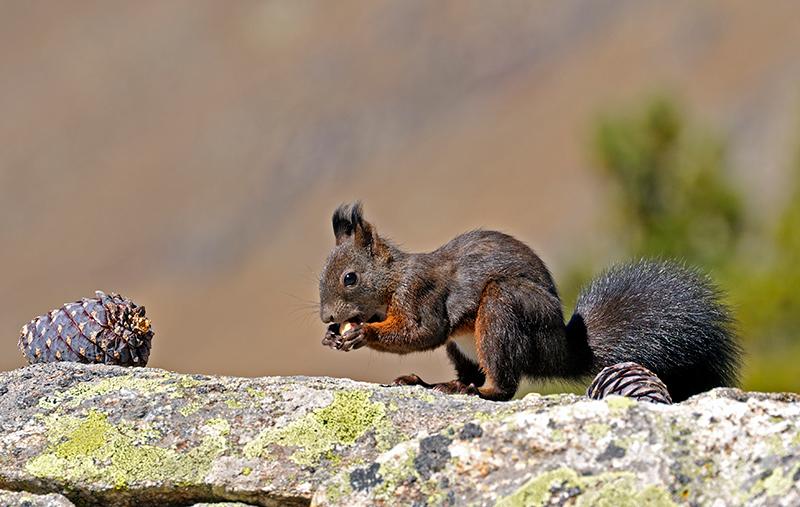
x: 106, y: 329
x: 629, y: 379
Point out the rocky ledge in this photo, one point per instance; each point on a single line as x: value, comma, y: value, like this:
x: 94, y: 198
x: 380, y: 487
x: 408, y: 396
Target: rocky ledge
x: 98, y: 435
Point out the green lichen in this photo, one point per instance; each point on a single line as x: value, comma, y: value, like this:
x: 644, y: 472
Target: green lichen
x: 74, y: 396
x: 619, y: 403
x: 315, y: 435
x: 186, y: 382
x: 255, y: 393
x: 86, y: 438
x: 597, y: 430
x: 687, y: 461
x: 537, y: 490
x: 776, y: 444
x: 426, y: 397
x: 190, y: 408
x: 778, y: 483
x: 233, y: 404
x: 394, y: 473
x: 246, y: 471
x: 482, y: 416
x: 612, y: 489
x: 336, y: 490
x: 91, y: 449
x: 497, y: 415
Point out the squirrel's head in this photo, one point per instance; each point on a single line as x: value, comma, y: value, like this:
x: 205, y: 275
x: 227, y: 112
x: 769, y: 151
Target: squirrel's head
x: 356, y: 282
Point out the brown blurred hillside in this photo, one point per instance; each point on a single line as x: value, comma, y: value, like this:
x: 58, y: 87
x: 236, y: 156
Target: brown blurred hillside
x: 189, y: 154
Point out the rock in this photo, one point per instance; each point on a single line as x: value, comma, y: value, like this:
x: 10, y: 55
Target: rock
x: 104, y: 434
x: 721, y: 448
x: 108, y: 435
x: 13, y: 498
x: 221, y: 504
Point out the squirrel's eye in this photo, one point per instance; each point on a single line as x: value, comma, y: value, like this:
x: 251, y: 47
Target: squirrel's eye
x: 350, y: 279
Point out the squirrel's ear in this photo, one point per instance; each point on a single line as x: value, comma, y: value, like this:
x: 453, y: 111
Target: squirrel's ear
x: 348, y: 222
x: 342, y: 224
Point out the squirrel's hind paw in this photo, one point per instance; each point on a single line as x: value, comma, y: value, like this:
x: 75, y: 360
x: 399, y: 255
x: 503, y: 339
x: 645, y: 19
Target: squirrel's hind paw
x: 452, y: 387
x: 410, y: 380
x: 456, y: 387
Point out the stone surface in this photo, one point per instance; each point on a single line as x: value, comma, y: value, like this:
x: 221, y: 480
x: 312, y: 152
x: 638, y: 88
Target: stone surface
x: 721, y: 448
x: 13, y: 498
x: 107, y: 435
x: 143, y: 436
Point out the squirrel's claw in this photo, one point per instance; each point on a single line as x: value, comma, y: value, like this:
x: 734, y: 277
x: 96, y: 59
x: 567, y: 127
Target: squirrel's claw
x: 355, y: 338
x: 410, y: 380
x: 456, y: 387
x: 452, y: 387
x: 331, y: 340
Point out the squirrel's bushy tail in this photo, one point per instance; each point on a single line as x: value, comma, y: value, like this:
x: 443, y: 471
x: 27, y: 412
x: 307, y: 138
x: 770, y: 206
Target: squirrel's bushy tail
x: 663, y: 315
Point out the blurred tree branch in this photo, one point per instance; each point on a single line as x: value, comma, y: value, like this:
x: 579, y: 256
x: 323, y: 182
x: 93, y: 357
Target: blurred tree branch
x: 674, y: 198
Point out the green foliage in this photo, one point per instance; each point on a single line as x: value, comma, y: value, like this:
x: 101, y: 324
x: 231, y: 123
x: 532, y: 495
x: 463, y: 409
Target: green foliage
x: 766, y: 297
x: 674, y: 198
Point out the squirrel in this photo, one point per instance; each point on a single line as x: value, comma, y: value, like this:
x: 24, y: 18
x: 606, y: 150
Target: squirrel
x: 491, y: 301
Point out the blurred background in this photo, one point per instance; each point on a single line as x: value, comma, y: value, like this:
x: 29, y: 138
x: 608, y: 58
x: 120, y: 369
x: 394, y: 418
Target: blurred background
x: 188, y: 154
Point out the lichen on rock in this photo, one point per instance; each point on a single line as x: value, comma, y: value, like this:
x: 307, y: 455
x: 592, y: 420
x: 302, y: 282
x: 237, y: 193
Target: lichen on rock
x: 92, y: 449
x: 25, y: 499
x: 315, y: 435
x: 104, y: 435
x: 605, y: 489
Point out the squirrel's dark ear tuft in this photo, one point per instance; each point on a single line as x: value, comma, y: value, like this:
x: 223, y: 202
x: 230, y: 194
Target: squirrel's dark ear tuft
x: 356, y: 214
x: 342, y: 224
x: 348, y: 220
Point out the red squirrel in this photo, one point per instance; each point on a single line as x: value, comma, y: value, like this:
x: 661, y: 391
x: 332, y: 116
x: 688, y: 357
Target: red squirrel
x: 491, y: 301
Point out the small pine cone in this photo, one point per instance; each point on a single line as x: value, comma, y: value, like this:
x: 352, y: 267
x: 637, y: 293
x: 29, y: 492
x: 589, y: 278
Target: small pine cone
x: 629, y: 379
x: 105, y: 329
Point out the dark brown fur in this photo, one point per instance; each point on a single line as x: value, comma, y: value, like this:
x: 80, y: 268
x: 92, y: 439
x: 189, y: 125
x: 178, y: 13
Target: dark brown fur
x: 485, y: 282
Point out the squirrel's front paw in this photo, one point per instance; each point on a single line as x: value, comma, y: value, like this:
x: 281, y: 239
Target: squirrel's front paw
x: 354, y: 338
x: 332, y: 339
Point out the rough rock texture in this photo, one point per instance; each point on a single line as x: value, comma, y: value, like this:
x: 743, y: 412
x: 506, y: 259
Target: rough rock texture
x: 32, y: 500
x: 722, y: 448
x: 103, y: 434
x: 100, y: 435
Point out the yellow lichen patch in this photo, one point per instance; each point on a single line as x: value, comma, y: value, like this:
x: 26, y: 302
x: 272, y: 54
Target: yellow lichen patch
x: 597, y: 430
x: 74, y: 396
x: 314, y: 435
x: 190, y: 408
x: 255, y: 393
x: 613, y: 489
x: 91, y: 449
x: 615, y: 402
x: 778, y: 483
x: 87, y: 438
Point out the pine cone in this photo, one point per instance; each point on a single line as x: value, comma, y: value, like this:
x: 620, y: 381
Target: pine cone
x: 105, y: 329
x: 629, y: 379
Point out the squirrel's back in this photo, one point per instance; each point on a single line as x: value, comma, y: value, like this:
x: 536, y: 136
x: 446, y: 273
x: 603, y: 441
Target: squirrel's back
x: 664, y: 316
